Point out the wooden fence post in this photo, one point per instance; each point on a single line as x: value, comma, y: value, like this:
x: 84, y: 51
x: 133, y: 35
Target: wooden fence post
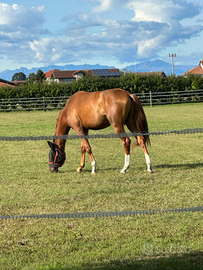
x: 150, y: 96
x: 44, y: 105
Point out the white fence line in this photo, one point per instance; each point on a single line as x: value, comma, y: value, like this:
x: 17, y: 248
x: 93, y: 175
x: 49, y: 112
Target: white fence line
x: 50, y: 103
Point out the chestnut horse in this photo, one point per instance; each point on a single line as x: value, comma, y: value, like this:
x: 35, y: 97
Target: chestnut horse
x: 98, y: 110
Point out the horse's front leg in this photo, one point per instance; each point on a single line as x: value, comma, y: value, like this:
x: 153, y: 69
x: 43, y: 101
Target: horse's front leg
x: 85, y: 147
x: 82, y: 163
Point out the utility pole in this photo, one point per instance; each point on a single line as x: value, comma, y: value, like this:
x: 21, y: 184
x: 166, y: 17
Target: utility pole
x: 172, y: 56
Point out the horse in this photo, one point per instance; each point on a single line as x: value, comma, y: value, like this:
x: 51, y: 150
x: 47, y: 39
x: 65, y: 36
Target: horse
x: 86, y: 111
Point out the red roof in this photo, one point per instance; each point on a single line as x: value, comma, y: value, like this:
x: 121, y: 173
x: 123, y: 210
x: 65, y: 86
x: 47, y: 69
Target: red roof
x: 197, y: 70
x: 18, y: 82
x: 85, y: 72
x: 63, y: 74
x: 159, y: 73
x: 48, y: 73
x: 71, y: 74
x: 114, y: 70
x: 4, y: 83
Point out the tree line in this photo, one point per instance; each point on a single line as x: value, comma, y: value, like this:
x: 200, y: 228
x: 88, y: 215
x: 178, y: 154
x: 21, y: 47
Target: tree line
x: 36, y: 86
x: 20, y: 76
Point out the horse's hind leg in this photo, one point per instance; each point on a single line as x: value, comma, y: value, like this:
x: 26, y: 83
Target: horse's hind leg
x: 141, y: 142
x: 126, y: 144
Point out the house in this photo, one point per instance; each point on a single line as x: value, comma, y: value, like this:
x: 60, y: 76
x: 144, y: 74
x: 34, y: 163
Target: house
x: 196, y: 71
x: 158, y: 73
x: 17, y: 83
x: 5, y: 83
x: 48, y: 74
x: 63, y: 76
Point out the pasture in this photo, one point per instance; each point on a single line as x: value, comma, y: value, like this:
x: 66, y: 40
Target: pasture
x: 161, y: 241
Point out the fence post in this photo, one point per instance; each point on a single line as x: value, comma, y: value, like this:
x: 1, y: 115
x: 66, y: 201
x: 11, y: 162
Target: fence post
x: 44, y: 105
x: 150, y: 96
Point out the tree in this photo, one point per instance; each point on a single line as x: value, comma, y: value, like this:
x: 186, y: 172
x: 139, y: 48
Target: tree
x: 20, y: 76
x: 32, y: 78
x: 40, y: 76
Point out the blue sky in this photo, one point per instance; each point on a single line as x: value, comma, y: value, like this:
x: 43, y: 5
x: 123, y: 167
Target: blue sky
x: 107, y: 32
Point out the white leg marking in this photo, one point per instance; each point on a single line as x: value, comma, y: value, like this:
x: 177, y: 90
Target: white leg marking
x: 94, y: 167
x: 127, y: 163
x: 149, y: 163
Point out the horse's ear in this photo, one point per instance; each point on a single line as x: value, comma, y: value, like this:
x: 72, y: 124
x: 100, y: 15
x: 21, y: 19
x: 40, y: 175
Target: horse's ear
x: 51, y: 145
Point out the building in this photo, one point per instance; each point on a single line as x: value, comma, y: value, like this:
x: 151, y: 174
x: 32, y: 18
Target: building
x: 5, y: 83
x: 49, y: 73
x: 196, y: 71
x: 63, y: 76
x: 158, y: 73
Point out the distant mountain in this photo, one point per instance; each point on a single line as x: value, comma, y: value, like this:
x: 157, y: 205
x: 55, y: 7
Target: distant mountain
x: 8, y: 74
x: 147, y: 66
x: 159, y: 65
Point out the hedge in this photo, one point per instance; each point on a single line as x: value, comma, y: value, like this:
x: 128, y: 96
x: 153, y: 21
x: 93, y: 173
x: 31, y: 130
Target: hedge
x: 134, y: 83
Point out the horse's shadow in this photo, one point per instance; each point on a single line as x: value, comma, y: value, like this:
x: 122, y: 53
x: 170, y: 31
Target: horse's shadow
x: 187, y: 166
x: 176, y: 166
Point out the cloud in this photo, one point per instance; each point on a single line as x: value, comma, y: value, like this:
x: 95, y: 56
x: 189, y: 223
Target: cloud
x: 153, y: 26
x: 19, y: 17
x: 105, y: 6
x: 19, y: 25
x: 163, y: 11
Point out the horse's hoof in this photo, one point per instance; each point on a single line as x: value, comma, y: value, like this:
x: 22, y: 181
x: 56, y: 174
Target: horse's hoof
x: 150, y: 171
x: 79, y: 170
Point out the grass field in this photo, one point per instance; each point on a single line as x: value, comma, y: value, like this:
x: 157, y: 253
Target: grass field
x: 161, y: 241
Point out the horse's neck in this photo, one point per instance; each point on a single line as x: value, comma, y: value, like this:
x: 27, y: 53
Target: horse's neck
x: 61, y: 129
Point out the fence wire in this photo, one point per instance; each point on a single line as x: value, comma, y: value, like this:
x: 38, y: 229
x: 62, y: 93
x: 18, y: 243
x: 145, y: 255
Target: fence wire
x: 101, y: 136
x: 80, y: 215
x: 148, y: 98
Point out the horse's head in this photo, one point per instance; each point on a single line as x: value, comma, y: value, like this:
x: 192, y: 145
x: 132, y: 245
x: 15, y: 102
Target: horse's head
x: 56, y: 157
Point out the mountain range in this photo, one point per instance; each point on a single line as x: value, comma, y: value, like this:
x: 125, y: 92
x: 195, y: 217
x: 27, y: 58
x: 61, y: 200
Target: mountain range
x: 156, y: 65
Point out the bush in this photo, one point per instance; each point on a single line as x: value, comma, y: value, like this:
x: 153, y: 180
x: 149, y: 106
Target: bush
x: 134, y: 83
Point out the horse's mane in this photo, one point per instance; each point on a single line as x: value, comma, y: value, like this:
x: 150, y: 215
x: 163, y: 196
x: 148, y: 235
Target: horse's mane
x: 57, y: 121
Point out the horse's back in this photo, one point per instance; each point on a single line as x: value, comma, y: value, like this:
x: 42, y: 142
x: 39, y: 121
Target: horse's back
x: 84, y: 99
x: 97, y: 110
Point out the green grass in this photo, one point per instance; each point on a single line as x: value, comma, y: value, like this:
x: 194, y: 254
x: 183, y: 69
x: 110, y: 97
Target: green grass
x: 161, y: 241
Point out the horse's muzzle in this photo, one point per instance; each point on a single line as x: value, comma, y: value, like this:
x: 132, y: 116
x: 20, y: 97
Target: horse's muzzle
x: 53, y: 169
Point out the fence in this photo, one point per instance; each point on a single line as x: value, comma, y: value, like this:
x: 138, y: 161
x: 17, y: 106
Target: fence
x: 106, y: 214
x: 50, y: 103
x: 103, y: 214
x: 31, y: 104
x: 173, y: 97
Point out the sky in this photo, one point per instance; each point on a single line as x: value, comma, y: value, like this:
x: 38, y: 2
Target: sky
x: 107, y: 32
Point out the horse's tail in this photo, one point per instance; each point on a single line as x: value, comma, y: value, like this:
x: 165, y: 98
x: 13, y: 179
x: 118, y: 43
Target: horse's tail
x: 140, y: 119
